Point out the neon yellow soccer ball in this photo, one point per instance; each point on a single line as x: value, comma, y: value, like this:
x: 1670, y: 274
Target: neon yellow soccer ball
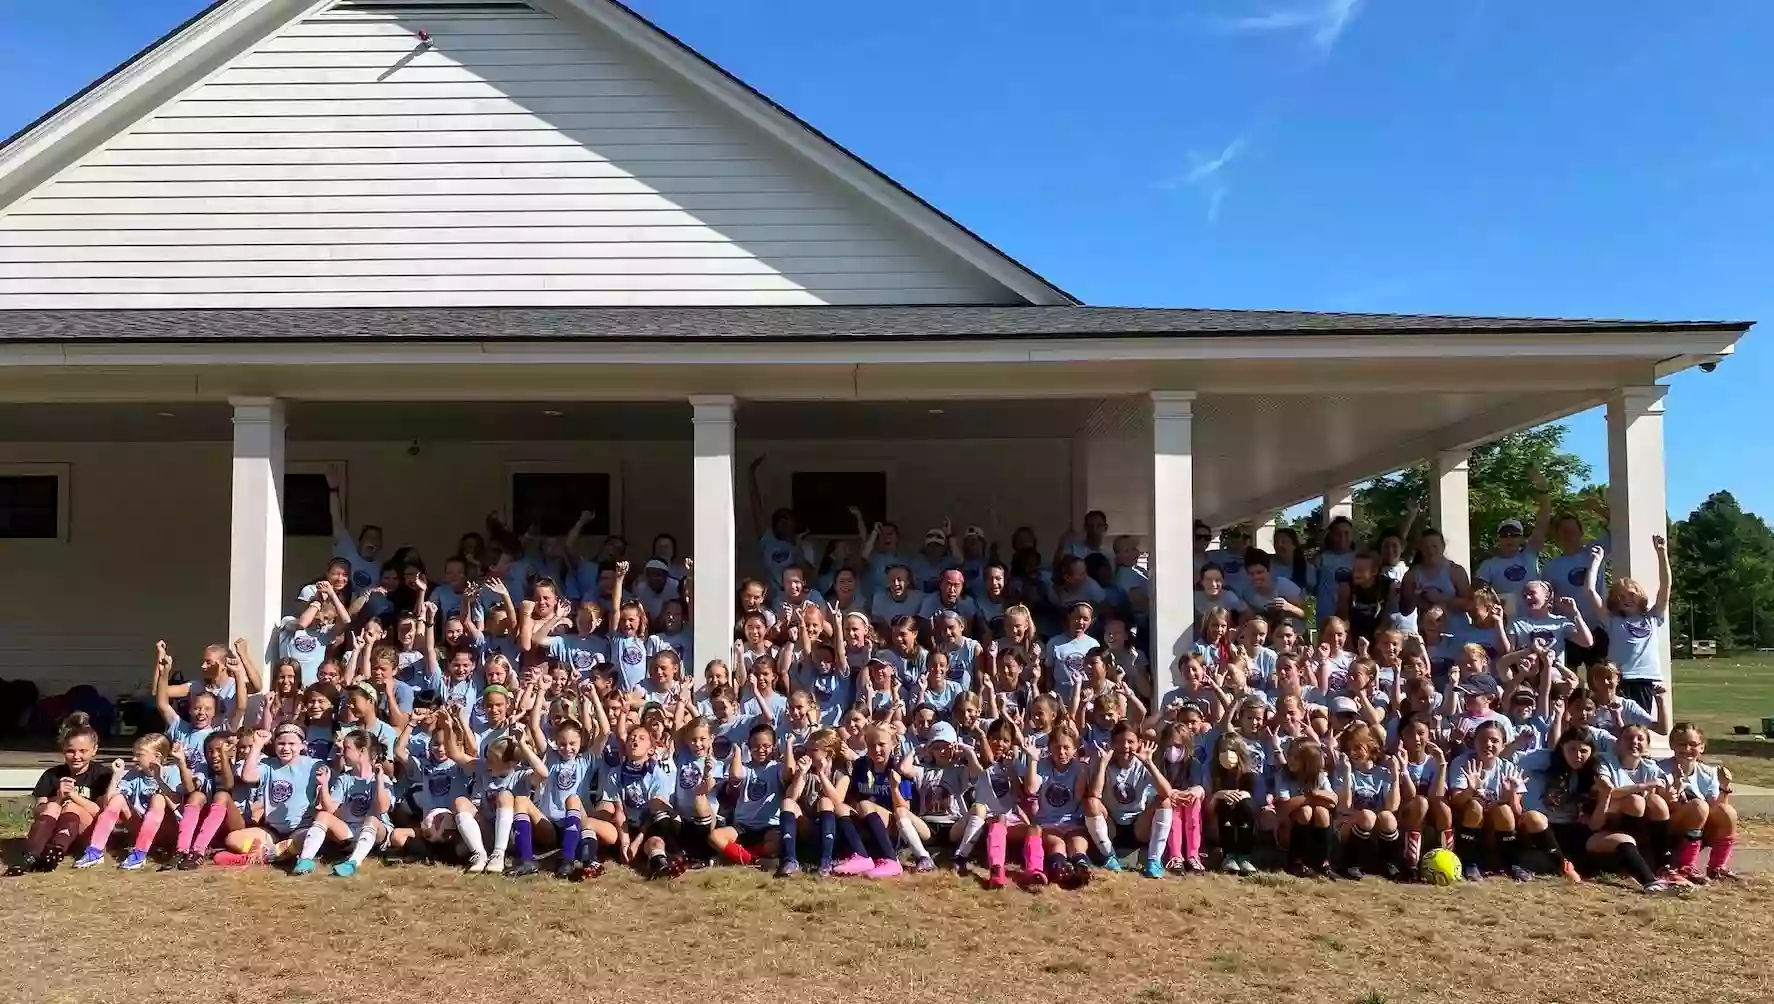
x: 1439, y: 867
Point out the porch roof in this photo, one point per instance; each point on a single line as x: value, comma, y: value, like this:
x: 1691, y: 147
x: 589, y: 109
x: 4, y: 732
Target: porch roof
x: 761, y: 324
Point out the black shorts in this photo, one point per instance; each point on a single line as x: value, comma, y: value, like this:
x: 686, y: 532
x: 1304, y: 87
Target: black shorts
x: 1124, y: 834
x: 1640, y: 692
x: 1573, y: 841
x: 1590, y: 655
x: 753, y: 838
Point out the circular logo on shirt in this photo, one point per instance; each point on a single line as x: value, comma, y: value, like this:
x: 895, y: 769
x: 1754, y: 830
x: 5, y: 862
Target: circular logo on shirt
x: 612, y: 755
x: 581, y: 659
x: 282, y: 791
x: 316, y: 748
x: 1058, y: 795
x: 826, y: 684
x: 634, y: 795
x: 755, y: 788
x: 631, y: 656
x: 1343, y: 575
x: 722, y: 748
x: 682, y: 650
x: 438, y: 784
x: 1123, y: 793
x: 1001, y: 784
x: 1515, y: 573
x: 564, y: 779
x: 360, y: 579
x: 957, y: 671
x: 1232, y: 566
x: 1546, y: 636
x: 689, y: 775
x: 1074, y: 662
x: 303, y: 643
x: 1638, y: 627
x: 1577, y: 577
x: 780, y: 555
x: 359, y: 805
x: 1363, y: 800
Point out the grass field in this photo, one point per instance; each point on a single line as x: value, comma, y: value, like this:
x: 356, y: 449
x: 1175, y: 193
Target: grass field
x: 731, y: 935
x: 1719, y: 694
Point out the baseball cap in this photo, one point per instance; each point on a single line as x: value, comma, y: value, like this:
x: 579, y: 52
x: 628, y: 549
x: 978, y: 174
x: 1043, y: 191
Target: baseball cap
x: 1483, y: 684
x: 1509, y: 528
x: 975, y: 531
x: 936, y: 537
x: 1344, y: 706
x: 656, y: 565
x: 1524, y: 695
x: 943, y: 732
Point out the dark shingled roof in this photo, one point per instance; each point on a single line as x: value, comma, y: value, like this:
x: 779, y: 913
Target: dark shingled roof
x: 757, y: 324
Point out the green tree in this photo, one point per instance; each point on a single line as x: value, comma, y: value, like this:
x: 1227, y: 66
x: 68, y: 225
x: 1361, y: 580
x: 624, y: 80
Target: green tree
x: 1722, y: 559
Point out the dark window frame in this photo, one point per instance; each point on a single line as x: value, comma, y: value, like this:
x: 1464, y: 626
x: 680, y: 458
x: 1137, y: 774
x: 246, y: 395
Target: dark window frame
x: 30, y: 484
x: 553, y: 500
x: 821, y: 500
x: 301, y: 518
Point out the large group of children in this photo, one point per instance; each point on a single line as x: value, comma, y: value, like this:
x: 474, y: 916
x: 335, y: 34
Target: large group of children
x: 878, y: 708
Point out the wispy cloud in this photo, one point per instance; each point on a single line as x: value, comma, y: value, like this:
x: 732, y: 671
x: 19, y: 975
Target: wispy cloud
x: 1209, y: 175
x: 1321, y: 21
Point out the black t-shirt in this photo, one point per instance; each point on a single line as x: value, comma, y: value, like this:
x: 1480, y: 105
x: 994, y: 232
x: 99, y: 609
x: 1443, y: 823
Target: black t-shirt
x: 90, y: 785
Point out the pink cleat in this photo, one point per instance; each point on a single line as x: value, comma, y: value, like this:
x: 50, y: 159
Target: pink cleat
x: 886, y: 868
x: 854, y: 865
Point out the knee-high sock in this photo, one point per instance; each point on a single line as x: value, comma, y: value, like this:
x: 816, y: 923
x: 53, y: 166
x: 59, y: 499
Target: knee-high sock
x: 312, y: 840
x: 188, y: 821
x: 852, y: 839
x: 908, y: 832
x: 366, y: 839
x: 1244, y: 827
x: 1654, y: 838
x: 1173, y: 841
x: 1413, y: 847
x: 1687, y: 850
x: 67, y: 830
x: 523, y: 837
x: 1720, y: 858
x: 1359, y: 847
x: 1161, y: 826
x: 214, y: 815
x: 828, y: 837
x: 1546, y: 843
x: 570, y: 830
x: 468, y: 828
x: 37, y: 837
x: 102, y: 827
x: 788, y: 828
x: 995, y: 840
x: 883, y: 840
x: 502, y: 830
x: 1098, y: 829
x: 1191, y: 827
x: 976, y: 825
x: 1633, y: 863
x: 1508, y: 848
x: 1032, y: 855
x: 150, y: 826
x: 1467, y: 844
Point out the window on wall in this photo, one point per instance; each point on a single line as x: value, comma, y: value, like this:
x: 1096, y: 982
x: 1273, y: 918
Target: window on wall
x: 822, y: 499
x: 30, y: 506
x: 552, y: 501
x: 306, y: 512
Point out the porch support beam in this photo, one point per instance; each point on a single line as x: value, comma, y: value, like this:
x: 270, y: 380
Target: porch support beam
x: 1638, y: 504
x: 1450, y: 509
x: 715, y: 540
x: 255, y: 538
x: 1173, y: 521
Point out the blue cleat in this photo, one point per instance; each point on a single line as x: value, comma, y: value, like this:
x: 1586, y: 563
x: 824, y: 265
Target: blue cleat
x: 134, y: 861
x: 1154, y: 868
x: 304, y: 866
x: 344, y: 869
x: 92, y: 857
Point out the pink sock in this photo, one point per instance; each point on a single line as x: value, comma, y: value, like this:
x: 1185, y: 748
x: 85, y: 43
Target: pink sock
x: 1413, y: 847
x: 1032, y: 855
x: 1720, y: 859
x: 1173, y: 841
x: 102, y: 827
x: 188, y: 821
x: 995, y: 840
x: 1191, y: 829
x: 1687, y: 854
x: 214, y: 815
x: 150, y: 826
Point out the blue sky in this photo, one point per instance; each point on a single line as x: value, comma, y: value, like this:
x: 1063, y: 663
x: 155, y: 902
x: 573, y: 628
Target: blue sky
x: 1471, y: 156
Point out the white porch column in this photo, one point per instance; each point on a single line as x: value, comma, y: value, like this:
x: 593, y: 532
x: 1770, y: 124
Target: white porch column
x: 1173, y: 526
x: 1450, y: 511
x: 1637, y: 504
x: 714, y: 544
x: 1339, y: 500
x: 255, y: 538
x: 1262, y: 531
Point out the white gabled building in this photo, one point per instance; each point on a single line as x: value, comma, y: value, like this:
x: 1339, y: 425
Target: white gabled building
x: 461, y: 252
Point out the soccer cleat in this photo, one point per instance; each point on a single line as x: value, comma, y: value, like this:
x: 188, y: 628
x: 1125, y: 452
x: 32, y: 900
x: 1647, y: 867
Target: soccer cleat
x: 235, y: 859
x: 591, y: 870
x: 522, y: 868
x: 1177, y: 865
x: 1391, y: 871
x: 1194, y: 864
x: 1520, y: 874
x: 1297, y: 869
x: 825, y: 871
x: 496, y: 864
x: 1721, y: 875
x: 1035, y: 881
x: 1674, y: 877
x: 925, y: 865
x: 963, y: 867
x: 1658, y: 886
x: 134, y: 861
x: 1570, y: 872
x: 344, y: 869
x: 92, y: 857
x: 1081, y: 874
x: 477, y: 864
x: 303, y: 866
x: 190, y: 861
x: 52, y: 858
x: 1697, y: 877
x: 1112, y: 863
x: 1229, y: 865
x: 854, y: 865
x: 1325, y: 871
x: 788, y: 868
x: 1352, y: 872
x: 998, y: 879
x: 886, y: 868
x: 1154, y: 868
x: 1471, y: 874
x: 564, y: 869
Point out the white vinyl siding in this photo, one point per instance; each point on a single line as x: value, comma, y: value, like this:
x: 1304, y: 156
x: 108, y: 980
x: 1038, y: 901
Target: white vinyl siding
x: 513, y: 161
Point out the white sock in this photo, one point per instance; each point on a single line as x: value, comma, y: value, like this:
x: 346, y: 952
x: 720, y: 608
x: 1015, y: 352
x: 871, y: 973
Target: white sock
x: 366, y: 839
x: 909, y: 834
x: 501, y: 830
x: 976, y: 825
x: 1098, y: 828
x: 1161, y: 822
x: 468, y: 828
x: 312, y: 841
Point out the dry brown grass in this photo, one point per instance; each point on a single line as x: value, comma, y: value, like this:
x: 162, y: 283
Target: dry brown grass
x: 430, y: 933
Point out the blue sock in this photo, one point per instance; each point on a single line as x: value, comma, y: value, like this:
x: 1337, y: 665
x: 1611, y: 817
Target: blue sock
x: 787, y: 827
x: 883, y: 840
x: 852, y: 839
x: 828, y: 835
x: 570, y: 838
x: 520, y: 838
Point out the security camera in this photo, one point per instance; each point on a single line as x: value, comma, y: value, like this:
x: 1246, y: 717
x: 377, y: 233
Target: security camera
x: 1709, y: 365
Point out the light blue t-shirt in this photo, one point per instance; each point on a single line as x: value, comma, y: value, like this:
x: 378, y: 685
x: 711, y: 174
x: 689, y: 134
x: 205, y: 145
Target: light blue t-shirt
x: 138, y: 787
x: 634, y: 786
x: 776, y: 554
x: 567, y: 777
x: 629, y: 654
x: 1508, y: 574
x: 306, y: 647
x: 758, y: 802
x: 1334, y: 569
x: 1065, y: 659
x: 1633, y: 645
x: 288, y: 792
x: 364, y: 573
x: 578, y: 652
x: 1059, y: 793
x: 356, y: 798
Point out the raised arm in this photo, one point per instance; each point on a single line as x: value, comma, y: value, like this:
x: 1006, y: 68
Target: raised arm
x: 1591, y: 585
x: 1660, y: 609
x: 162, y: 695
x: 249, y: 666
x: 1542, y: 516
x: 577, y: 531
x: 756, y: 498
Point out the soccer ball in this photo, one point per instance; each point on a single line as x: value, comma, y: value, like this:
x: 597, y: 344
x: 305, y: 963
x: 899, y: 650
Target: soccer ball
x: 1439, y: 867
